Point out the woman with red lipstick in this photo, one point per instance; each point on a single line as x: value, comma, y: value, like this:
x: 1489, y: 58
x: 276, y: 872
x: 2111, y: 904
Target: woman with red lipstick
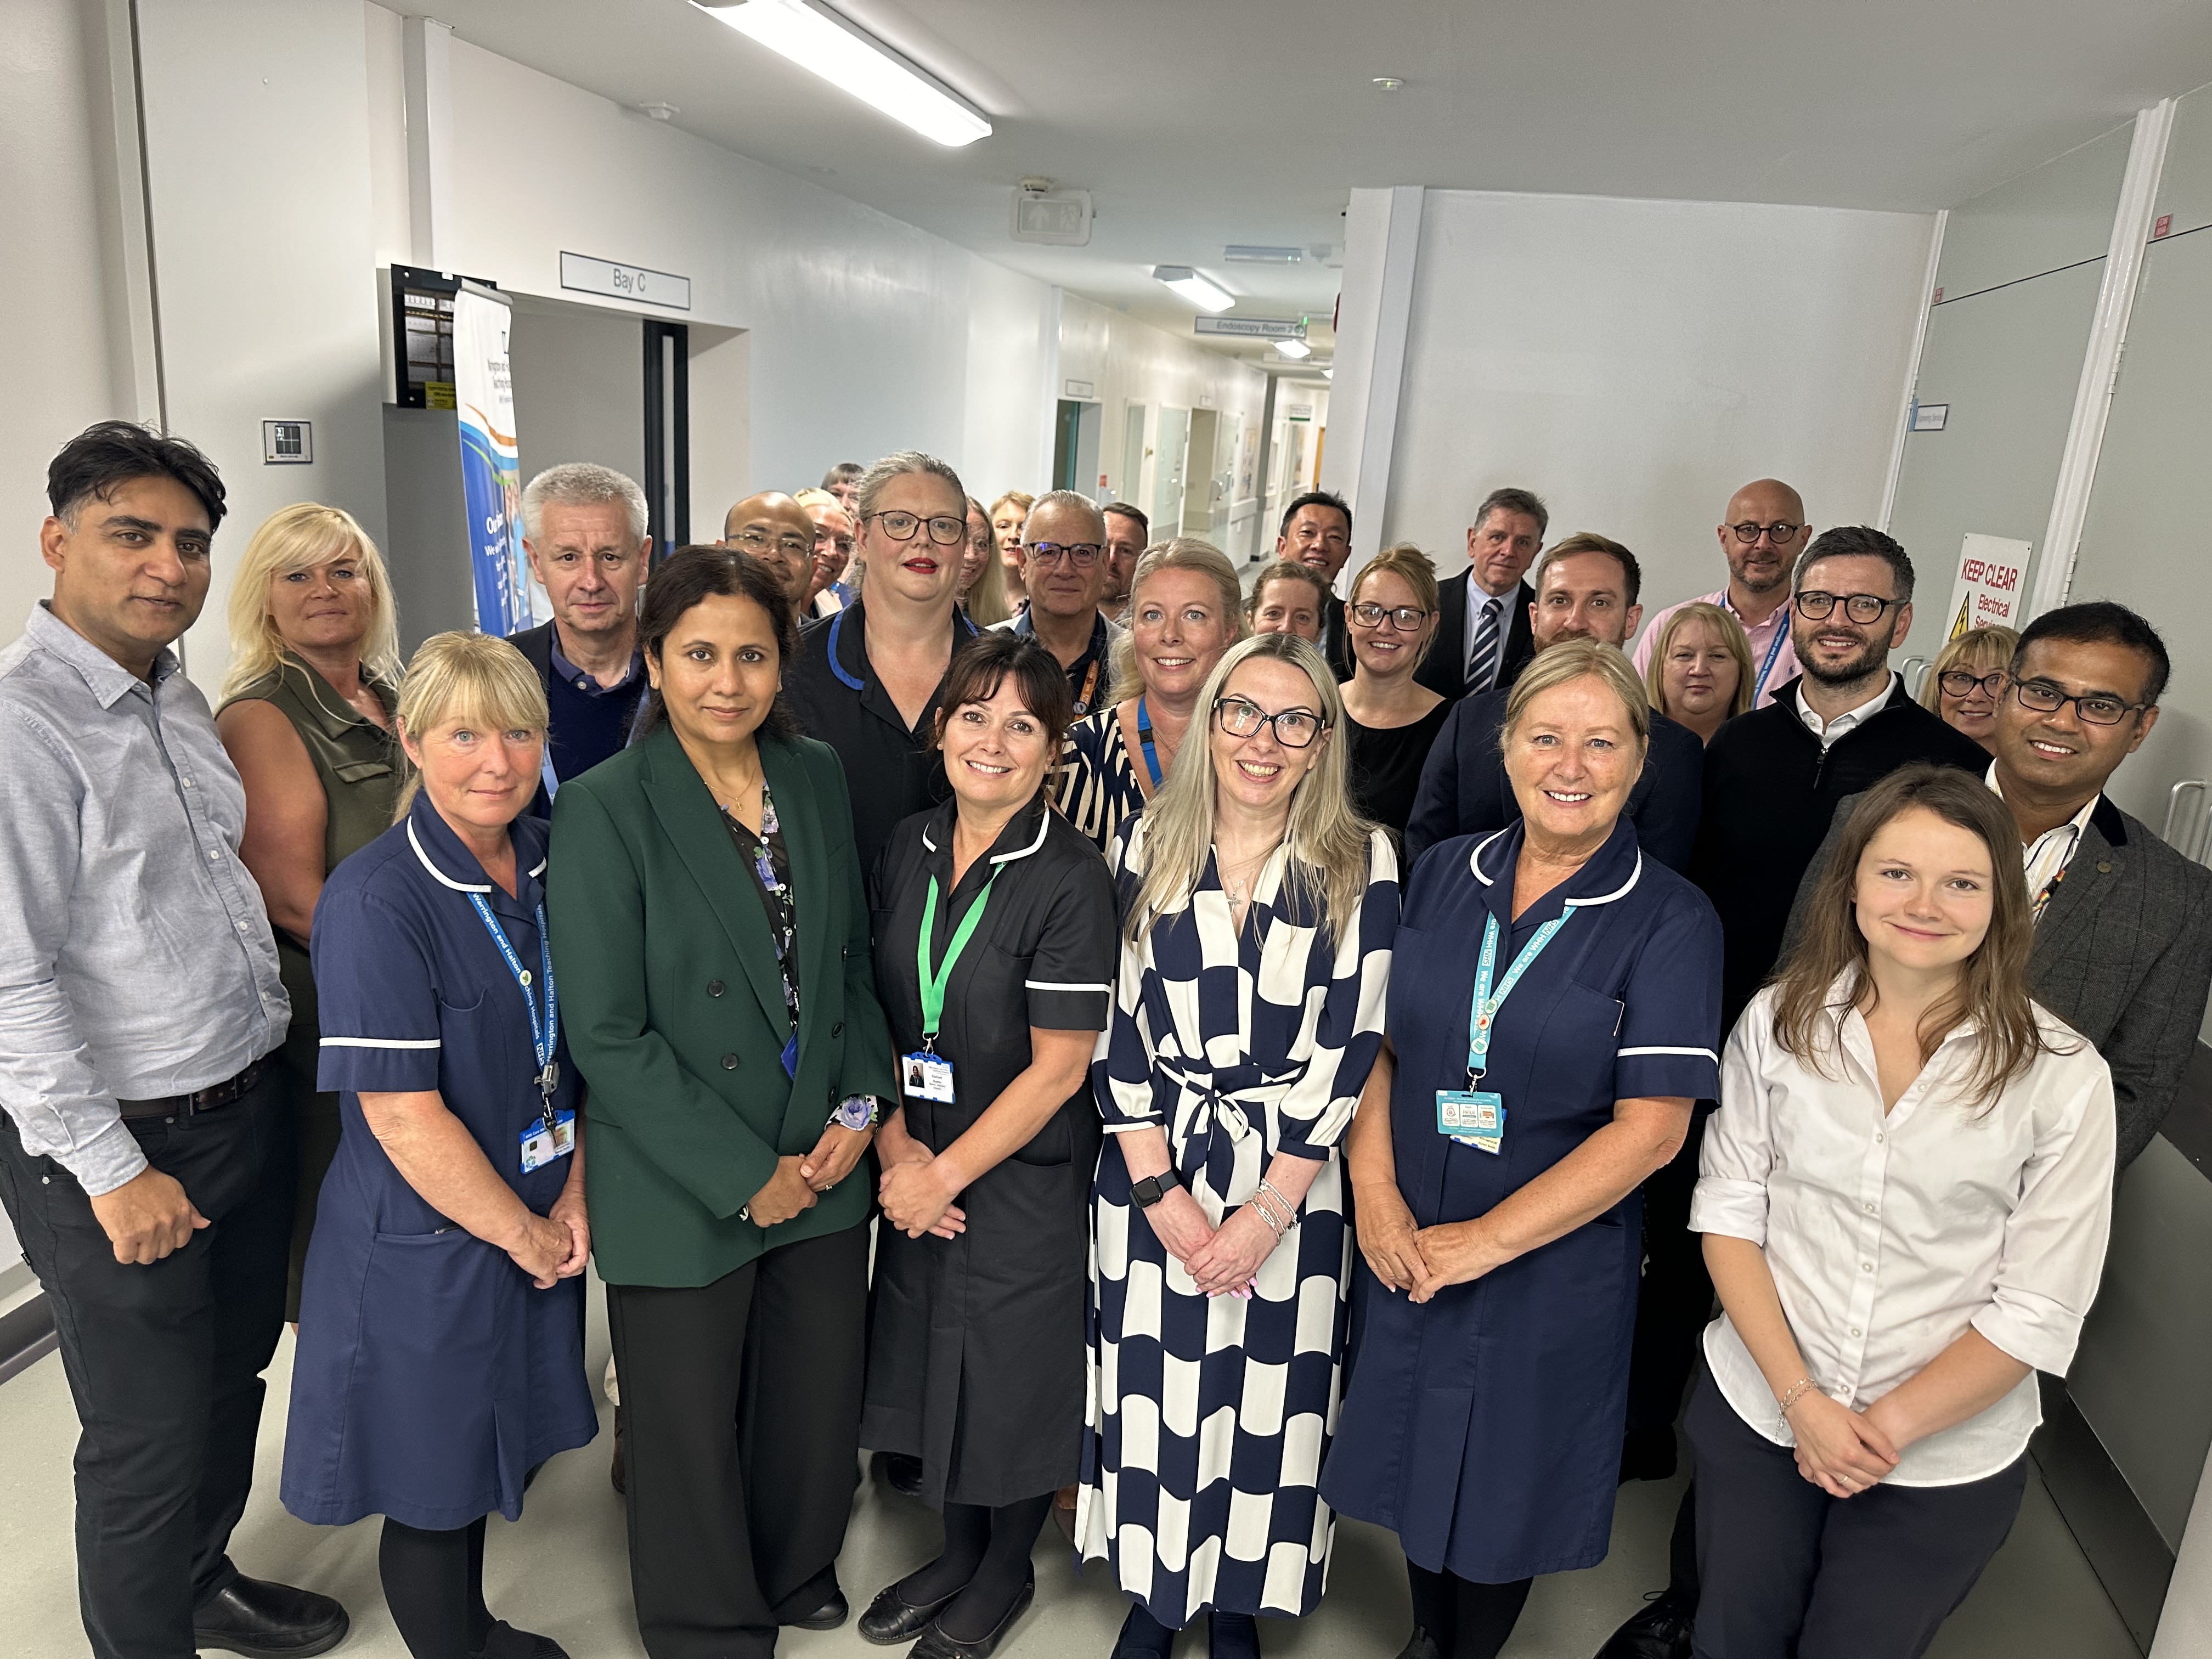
x: 1905, y: 1198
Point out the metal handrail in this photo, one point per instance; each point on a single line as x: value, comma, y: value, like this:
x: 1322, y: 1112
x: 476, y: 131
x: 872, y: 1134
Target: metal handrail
x: 2200, y: 826
x: 1913, y: 682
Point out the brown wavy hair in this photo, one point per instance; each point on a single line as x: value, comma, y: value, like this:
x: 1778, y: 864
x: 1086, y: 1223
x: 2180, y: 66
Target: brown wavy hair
x: 1992, y: 989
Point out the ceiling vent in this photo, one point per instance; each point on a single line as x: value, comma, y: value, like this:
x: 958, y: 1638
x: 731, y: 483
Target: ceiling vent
x: 1057, y: 218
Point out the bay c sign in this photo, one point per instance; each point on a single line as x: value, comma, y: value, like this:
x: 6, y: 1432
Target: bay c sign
x: 586, y: 274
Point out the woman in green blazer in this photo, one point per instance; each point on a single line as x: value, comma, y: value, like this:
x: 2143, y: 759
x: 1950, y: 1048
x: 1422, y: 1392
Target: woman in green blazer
x: 710, y: 944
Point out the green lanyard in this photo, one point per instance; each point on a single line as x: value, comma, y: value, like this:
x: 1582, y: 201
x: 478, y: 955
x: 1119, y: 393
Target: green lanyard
x: 934, y: 982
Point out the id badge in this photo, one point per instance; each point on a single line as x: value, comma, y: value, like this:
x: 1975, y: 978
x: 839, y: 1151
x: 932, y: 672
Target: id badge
x: 1473, y: 1118
x: 542, y: 1146
x: 926, y: 1076
x: 790, y: 1056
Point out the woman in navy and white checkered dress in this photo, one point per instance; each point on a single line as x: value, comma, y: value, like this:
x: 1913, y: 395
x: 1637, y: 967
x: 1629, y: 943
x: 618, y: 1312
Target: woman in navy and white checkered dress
x: 1258, y: 914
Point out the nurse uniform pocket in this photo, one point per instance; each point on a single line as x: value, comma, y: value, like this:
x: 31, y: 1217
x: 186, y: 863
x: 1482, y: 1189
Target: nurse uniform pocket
x: 432, y: 1355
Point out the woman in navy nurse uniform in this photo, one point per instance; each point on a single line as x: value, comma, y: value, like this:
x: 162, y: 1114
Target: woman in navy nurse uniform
x: 1499, y: 1215
x: 441, y: 1339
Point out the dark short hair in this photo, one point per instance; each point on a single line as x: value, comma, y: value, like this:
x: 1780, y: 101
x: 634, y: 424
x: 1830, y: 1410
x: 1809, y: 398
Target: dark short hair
x: 844, y: 472
x: 979, y: 667
x: 94, y: 463
x: 691, y: 574
x: 1857, y: 541
x: 1130, y: 510
x: 1589, y: 541
x: 1526, y: 501
x: 2102, y: 622
x: 1314, y: 498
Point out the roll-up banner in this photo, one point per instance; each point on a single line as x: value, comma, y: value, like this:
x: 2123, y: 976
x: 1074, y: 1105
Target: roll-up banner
x: 507, y: 601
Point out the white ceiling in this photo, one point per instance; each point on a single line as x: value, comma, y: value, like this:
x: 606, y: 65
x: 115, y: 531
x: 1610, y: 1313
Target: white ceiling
x: 1200, y: 122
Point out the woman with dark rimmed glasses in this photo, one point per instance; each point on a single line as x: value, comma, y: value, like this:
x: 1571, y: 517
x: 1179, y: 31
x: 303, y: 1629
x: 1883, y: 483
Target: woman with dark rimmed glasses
x: 1967, y: 679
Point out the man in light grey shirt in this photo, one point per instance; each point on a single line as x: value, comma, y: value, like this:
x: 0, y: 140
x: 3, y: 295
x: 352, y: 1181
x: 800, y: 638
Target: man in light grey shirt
x: 145, y: 1156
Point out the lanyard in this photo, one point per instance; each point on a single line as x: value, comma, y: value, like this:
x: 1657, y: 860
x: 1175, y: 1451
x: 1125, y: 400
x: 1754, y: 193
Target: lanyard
x: 1090, y: 686
x: 1145, y: 742
x: 934, y: 982
x: 545, y: 1031
x: 1773, y: 650
x: 1483, y: 1013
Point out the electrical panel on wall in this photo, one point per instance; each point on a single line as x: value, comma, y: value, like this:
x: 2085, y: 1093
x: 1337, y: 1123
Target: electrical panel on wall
x: 1057, y: 218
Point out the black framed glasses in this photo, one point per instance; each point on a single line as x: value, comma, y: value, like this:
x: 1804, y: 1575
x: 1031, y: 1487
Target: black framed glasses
x: 757, y: 541
x: 1405, y: 618
x: 1295, y: 728
x: 1861, y: 608
x: 1081, y: 555
x: 2097, y: 707
x: 944, y: 531
x: 1780, y: 531
x: 1962, y: 683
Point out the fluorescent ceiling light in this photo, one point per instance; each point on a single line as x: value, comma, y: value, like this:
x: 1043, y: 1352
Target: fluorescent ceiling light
x: 820, y: 41
x: 1296, y: 350
x: 1245, y: 254
x: 1328, y: 374
x: 1204, y: 294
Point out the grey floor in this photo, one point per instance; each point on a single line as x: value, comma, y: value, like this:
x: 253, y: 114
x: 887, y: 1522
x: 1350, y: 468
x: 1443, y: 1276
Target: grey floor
x: 563, y: 1568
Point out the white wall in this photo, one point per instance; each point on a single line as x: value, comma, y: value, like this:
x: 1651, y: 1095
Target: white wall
x: 1634, y: 361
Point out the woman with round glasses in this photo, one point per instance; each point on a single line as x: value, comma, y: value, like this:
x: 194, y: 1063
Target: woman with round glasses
x: 1389, y: 722
x: 1257, y: 913
x: 1968, y: 679
x: 1185, y: 610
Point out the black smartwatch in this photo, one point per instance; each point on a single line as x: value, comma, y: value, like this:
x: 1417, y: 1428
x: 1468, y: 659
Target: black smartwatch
x: 1151, y: 1190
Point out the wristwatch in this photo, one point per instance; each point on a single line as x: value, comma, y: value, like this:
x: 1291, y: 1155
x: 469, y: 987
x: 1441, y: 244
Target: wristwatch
x: 1151, y: 1190
x: 857, y: 1113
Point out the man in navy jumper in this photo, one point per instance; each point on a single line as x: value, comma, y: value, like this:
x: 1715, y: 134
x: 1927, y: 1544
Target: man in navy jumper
x: 584, y: 528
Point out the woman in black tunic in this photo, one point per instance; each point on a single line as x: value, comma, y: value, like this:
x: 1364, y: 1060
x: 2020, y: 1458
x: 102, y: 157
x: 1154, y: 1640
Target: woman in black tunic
x: 994, y: 946
x: 1390, y: 723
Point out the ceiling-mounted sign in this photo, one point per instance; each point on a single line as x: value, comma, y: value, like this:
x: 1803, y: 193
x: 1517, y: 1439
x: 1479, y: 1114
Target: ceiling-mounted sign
x: 584, y: 274
x: 1992, y: 570
x: 1930, y: 417
x: 1251, y: 328
x: 1077, y: 389
x: 1298, y: 412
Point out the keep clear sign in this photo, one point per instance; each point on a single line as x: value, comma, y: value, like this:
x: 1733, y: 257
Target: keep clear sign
x: 1991, y: 572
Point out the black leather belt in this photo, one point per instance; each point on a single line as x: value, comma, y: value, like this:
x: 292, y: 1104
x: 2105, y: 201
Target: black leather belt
x: 200, y: 1100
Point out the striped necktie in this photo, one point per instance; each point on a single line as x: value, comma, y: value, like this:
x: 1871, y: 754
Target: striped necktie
x: 1482, y: 660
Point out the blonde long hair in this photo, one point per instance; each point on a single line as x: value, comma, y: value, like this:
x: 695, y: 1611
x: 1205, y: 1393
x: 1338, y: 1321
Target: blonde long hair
x: 1732, y: 639
x: 1327, y: 841
x: 466, y: 676
x: 299, y: 538
x: 1178, y: 553
x: 986, y: 597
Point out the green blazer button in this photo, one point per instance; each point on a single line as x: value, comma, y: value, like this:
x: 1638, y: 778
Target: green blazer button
x: 713, y: 988
x: 729, y: 1062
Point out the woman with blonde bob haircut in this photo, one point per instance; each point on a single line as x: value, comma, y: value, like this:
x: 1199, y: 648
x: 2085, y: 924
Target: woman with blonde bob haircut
x: 1701, y: 673
x: 307, y: 719
x: 1905, y: 1198
x: 441, y: 1357
x: 1967, y: 677
x: 1258, y: 911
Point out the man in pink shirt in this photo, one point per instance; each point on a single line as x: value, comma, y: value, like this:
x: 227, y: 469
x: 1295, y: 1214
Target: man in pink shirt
x: 1761, y: 537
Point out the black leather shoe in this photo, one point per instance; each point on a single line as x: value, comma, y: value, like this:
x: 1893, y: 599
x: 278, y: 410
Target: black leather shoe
x: 936, y: 1644
x: 505, y: 1642
x: 268, y: 1621
x: 901, y: 1474
x: 891, y: 1620
x: 1661, y: 1630
x: 1423, y: 1646
x: 830, y: 1614
x: 1142, y: 1636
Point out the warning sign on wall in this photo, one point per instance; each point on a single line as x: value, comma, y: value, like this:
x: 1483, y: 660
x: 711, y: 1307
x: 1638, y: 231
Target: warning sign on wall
x: 1992, y: 572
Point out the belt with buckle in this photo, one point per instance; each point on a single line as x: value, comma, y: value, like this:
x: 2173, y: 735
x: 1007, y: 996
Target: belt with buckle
x: 200, y: 1100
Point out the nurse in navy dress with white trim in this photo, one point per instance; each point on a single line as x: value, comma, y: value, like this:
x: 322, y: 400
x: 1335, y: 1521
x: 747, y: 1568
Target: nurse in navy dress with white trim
x: 1489, y: 1375
x: 440, y: 1353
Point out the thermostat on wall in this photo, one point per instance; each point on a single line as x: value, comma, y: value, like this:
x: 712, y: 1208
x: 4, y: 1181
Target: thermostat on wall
x: 287, y: 443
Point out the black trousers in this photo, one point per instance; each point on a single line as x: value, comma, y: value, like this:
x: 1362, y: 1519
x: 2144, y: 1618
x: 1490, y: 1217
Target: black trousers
x: 1675, y: 1301
x: 1789, y: 1570
x: 741, y: 1415
x: 164, y: 1362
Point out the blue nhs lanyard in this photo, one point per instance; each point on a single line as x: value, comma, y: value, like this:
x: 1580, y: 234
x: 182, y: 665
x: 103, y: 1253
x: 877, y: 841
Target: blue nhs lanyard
x: 544, y: 1031
x: 1482, y: 1014
x: 1773, y: 650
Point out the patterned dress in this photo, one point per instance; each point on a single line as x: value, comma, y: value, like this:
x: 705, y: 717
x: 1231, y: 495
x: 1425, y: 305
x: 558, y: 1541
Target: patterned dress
x: 1097, y: 787
x: 1209, y: 1418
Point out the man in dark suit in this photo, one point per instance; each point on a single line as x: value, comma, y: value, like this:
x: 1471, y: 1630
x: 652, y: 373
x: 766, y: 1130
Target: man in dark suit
x: 1483, y: 627
x: 1317, y: 532
x: 1586, y: 589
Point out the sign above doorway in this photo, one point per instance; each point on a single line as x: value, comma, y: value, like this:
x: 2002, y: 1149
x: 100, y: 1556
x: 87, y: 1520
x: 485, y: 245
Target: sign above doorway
x: 586, y: 274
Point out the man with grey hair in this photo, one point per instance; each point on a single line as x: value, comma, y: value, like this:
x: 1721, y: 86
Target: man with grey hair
x: 584, y: 528
x: 1065, y: 569
x: 1484, y: 637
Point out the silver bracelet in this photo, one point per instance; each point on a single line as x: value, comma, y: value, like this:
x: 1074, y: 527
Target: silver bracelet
x: 1797, y: 1391
x: 1266, y: 1216
x: 1290, y: 1210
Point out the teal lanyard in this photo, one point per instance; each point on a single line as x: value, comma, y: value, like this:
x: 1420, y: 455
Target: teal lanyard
x: 545, y: 1031
x: 934, y: 981
x: 1482, y: 1015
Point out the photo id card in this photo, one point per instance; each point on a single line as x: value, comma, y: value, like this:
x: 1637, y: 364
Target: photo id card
x: 926, y: 1076
x: 1473, y: 1118
x: 542, y: 1146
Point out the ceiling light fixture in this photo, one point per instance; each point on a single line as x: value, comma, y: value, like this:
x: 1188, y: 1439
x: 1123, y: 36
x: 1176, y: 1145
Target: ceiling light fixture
x: 1328, y: 374
x: 1245, y: 254
x: 1296, y: 350
x: 1202, y: 292
x: 825, y: 44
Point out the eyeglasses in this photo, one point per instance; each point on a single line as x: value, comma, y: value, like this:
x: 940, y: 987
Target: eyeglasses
x: 2098, y: 707
x: 1959, y: 683
x: 1405, y: 618
x: 1295, y: 728
x: 1780, y: 531
x: 901, y: 527
x: 1081, y: 555
x: 758, y: 541
x: 1859, y: 607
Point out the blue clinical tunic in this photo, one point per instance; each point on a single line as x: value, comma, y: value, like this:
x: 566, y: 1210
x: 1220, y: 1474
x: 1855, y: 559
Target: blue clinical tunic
x: 1484, y: 1426
x: 431, y: 1375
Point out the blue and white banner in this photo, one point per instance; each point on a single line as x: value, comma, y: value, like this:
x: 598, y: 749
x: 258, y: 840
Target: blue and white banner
x: 507, y: 601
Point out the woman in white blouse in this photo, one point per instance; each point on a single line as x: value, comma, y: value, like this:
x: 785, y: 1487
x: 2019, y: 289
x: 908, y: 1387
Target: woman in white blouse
x: 1905, y: 1198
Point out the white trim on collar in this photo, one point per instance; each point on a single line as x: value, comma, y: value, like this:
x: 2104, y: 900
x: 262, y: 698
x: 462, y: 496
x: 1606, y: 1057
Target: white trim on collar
x: 1044, y: 823
x: 539, y: 868
x: 1475, y: 863
x: 1475, y: 858
x: 1634, y: 876
x: 440, y: 875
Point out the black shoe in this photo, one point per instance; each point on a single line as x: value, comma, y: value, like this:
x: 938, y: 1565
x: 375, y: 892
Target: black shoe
x: 1232, y: 1636
x: 1646, y: 1454
x: 1142, y: 1636
x: 936, y: 1644
x: 1661, y: 1630
x: 889, y: 1619
x: 830, y: 1614
x: 902, y: 1475
x: 1422, y: 1646
x: 505, y: 1642
x: 268, y: 1621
